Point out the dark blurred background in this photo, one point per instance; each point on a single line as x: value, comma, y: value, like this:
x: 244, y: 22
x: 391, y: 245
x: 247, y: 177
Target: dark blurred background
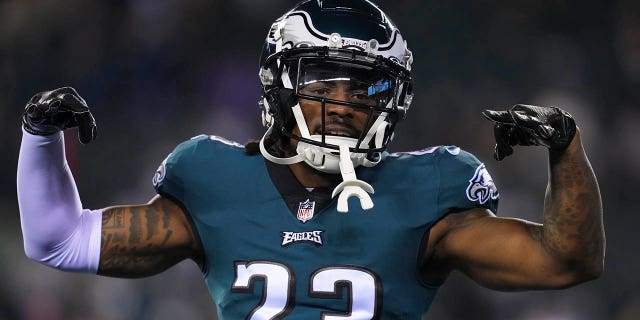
x: 156, y: 73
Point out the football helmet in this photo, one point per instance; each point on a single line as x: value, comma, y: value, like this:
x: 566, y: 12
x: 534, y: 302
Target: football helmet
x: 320, y: 43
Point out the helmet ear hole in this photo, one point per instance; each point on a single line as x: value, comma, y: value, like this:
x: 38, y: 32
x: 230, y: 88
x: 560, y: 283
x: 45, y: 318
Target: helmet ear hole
x: 404, y: 99
x: 287, y: 99
x: 267, y: 112
x: 266, y: 76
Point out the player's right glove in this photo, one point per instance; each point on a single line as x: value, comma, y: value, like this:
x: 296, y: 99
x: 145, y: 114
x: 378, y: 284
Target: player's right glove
x: 51, y: 111
x: 526, y: 125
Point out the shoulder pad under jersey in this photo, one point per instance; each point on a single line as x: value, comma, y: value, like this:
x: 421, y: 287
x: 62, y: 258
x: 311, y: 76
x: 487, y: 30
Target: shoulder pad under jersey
x: 189, y: 158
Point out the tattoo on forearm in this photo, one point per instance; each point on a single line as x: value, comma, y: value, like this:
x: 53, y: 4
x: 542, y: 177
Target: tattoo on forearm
x: 132, y: 250
x: 166, y: 238
x: 152, y: 223
x: 135, y: 228
x: 120, y: 262
x: 165, y: 219
x: 106, y: 239
x: 118, y: 238
x: 112, y: 219
x: 573, y: 211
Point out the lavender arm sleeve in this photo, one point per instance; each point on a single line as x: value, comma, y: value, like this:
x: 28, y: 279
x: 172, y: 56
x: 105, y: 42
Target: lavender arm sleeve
x: 57, y: 231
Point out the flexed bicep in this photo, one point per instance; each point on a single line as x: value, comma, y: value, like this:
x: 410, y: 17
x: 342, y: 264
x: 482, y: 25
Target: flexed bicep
x: 143, y: 240
x: 499, y: 253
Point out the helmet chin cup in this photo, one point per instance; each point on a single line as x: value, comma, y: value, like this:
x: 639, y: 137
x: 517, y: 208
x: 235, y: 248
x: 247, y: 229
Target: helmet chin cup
x: 326, y: 159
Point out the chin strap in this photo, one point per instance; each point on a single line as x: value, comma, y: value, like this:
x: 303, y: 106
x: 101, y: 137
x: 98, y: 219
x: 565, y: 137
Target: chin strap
x: 351, y: 186
x: 290, y: 160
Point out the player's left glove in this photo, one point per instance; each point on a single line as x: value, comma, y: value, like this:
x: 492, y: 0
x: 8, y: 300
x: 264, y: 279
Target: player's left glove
x: 526, y: 125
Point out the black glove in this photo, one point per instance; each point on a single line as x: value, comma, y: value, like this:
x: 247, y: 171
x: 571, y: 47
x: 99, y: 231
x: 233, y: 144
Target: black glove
x: 525, y: 125
x: 51, y: 111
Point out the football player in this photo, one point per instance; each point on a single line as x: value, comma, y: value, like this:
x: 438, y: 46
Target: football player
x: 317, y: 220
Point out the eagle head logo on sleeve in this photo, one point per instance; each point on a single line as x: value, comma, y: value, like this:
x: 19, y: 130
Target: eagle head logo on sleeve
x: 481, y: 187
x: 161, y: 172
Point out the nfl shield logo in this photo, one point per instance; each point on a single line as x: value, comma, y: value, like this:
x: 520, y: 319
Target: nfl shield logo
x: 305, y: 210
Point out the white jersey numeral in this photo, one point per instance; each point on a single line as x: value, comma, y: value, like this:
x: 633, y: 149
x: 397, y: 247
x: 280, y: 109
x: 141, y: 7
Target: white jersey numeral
x: 363, y: 290
x: 278, y: 291
x: 275, y: 298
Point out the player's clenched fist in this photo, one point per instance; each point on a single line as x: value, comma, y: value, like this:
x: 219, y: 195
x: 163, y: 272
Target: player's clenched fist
x: 51, y: 111
x: 526, y: 125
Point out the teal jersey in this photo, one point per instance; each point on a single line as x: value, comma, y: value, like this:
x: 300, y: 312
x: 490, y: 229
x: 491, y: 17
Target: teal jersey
x: 265, y: 261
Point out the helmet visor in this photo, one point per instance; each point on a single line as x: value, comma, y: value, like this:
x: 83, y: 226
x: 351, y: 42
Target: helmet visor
x: 340, y: 82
